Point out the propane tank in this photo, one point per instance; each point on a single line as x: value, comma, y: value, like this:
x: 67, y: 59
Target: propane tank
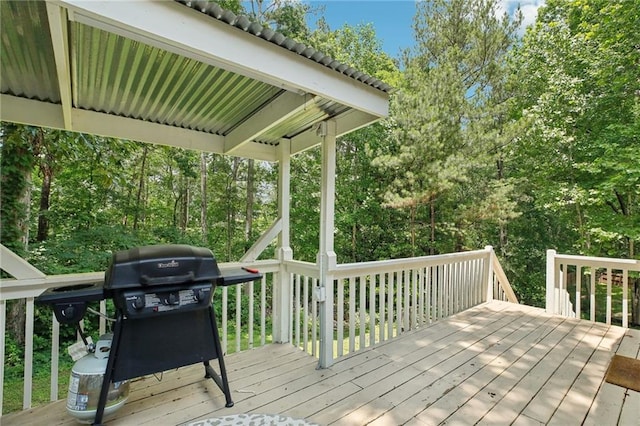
x: 85, y: 384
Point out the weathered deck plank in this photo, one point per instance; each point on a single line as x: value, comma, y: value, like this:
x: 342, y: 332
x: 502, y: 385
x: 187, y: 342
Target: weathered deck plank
x: 497, y: 363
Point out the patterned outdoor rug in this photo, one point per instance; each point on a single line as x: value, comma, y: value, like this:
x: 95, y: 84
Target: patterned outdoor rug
x: 625, y: 372
x: 252, y: 420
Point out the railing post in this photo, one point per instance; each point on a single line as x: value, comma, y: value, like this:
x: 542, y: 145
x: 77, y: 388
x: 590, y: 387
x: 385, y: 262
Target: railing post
x: 550, y: 302
x: 28, y: 354
x: 489, y: 281
x: 3, y: 322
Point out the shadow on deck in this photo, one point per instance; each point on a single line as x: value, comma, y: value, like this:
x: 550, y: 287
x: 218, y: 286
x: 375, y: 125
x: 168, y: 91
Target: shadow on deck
x: 497, y: 363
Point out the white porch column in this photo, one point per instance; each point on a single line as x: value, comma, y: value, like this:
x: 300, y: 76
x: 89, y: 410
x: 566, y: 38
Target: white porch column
x: 282, y: 283
x: 551, y: 300
x: 327, y: 257
x: 490, y: 275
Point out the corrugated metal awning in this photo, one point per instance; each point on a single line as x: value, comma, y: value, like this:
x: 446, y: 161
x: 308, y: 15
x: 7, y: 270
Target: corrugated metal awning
x: 186, y: 74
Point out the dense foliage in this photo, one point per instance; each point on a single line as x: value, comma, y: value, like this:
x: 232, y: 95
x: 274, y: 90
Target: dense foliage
x: 524, y: 143
x: 576, y: 157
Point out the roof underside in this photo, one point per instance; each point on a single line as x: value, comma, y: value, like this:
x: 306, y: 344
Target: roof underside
x: 176, y: 74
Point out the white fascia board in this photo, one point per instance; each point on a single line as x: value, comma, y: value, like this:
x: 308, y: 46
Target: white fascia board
x: 142, y: 131
x: 31, y: 112
x: 305, y: 141
x: 346, y: 123
x: 353, y: 120
x: 257, y: 151
x: 43, y: 114
x: 187, y: 32
x: 60, y: 40
x: 280, y: 109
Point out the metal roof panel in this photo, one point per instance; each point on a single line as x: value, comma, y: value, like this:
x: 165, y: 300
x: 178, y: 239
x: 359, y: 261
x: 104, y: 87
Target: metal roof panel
x: 122, y: 77
x: 27, y: 68
x: 119, y: 76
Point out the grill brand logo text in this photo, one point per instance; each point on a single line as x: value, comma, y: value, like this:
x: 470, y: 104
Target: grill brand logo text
x: 172, y: 264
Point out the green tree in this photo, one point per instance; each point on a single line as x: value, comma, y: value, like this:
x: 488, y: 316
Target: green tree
x: 288, y: 17
x: 578, y: 75
x: 16, y: 165
x: 448, y: 123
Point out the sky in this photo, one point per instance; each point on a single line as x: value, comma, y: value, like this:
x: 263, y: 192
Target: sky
x: 393, y: 19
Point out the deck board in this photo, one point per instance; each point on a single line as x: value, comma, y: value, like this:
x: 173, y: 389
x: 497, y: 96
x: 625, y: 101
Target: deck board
x: 497, y: 363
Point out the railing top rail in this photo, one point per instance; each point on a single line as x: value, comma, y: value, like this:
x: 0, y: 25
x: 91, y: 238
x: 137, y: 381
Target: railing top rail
x: 304, y: 268
x: 629, y: 264
x: 267, y: 265
x: 347, y: 269
x: 32, y: 287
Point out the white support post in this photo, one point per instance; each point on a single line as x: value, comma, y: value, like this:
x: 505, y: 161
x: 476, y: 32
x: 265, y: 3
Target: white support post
x: 3, y: 323
x: 327, y: 257
x: 263, y: 242
x: 490, y: 280
x: 551, y: 282
x: 55, y: 356
x: 281, y: 287
x: 28, y: 354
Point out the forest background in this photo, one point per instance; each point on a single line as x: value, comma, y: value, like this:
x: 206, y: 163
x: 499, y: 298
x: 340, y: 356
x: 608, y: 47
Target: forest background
x: 525, y: 143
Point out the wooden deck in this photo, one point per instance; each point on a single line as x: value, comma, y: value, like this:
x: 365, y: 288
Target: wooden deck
x: 497, y: 363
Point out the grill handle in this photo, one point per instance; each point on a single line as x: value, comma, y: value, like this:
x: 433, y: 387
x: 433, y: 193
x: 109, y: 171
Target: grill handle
x: 171, y: 279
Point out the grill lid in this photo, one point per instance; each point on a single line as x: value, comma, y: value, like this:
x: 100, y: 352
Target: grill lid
x: 160, y: 265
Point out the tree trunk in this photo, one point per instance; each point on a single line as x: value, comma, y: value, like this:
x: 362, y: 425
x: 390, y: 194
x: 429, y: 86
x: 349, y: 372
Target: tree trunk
x: 432, y: 206
x: 203, y: 191
x: 47, y: 169
x: 248, y: 224
x: 23, y: 224
x: 354, y: 241
x: 184, y: 208
x: 231, y: 211
x: 45, y: 193
x: 502, y: 225
x: 16, y: 163
x: 141, y: 183
x: 413, y: 229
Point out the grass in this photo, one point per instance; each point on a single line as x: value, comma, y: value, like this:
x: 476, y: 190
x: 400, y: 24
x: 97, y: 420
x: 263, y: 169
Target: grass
x: 40, y: 392
x: 601, y: 303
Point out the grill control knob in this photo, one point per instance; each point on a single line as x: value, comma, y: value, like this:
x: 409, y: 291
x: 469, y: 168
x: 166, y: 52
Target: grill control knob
x: 69, y: 312
x: 172, y: 299
x: 138, y: 302
x: 198, y: 294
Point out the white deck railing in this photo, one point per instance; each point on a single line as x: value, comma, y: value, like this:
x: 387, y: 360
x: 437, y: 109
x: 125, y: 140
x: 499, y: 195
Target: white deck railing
x: 373, y: 302
x: 569, y: 275
x: 376, y: 301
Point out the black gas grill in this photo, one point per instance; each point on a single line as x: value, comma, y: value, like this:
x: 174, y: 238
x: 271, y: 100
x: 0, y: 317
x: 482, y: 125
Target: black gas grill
x: 164, y: 315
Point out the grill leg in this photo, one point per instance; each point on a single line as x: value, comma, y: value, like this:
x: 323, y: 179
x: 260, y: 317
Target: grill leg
x: 221, y: 380
x: 108, y: 374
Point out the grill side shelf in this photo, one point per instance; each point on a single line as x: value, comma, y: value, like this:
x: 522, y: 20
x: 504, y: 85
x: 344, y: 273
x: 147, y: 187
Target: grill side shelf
x: 238, y: 276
